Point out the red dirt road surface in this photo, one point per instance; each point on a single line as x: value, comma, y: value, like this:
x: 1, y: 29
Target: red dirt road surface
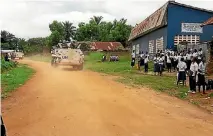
x: 61, y: 102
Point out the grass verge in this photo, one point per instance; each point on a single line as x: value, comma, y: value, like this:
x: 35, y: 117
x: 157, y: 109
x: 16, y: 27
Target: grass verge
x: 14, y: 78
x: 131, y: 76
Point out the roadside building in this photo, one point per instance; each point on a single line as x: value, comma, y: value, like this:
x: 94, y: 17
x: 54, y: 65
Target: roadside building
x: 169, y: 26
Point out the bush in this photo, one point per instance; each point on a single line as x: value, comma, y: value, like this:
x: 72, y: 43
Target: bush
x: 5, y: 65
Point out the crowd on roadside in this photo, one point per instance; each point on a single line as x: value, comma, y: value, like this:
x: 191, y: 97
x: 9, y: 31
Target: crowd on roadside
x: 187, y: 62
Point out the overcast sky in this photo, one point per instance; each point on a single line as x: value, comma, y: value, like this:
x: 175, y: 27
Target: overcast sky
x: 30, y: 18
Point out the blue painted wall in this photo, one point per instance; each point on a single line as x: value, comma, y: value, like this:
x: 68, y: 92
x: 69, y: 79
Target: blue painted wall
x: 144, y: 40
x: 178, y: 14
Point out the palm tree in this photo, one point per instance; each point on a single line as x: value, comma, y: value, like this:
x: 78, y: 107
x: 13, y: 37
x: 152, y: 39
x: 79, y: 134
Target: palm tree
x: 123, y: 21
x: 96, y: 19
x: 69, y: 30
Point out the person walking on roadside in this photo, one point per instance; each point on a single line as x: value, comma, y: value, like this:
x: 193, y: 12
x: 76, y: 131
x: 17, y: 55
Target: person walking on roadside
x: 201, y: 75
x: 192, y: 75
x: 181, y: 67
x: 133, y: 59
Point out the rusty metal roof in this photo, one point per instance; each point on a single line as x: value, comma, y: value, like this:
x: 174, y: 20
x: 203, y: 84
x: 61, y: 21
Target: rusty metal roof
x: 208, y: 22
x: 157, y: 20
x: 108, y: 46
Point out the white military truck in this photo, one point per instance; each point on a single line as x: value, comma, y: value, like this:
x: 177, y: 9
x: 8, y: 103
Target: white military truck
x: 65, y: 55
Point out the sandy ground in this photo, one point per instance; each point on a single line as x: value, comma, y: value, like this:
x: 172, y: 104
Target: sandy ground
x: 62, y: 102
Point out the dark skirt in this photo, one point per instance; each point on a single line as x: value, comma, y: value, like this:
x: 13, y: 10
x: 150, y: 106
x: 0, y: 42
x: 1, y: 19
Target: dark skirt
x: 169, y: 65
x: 182, y: 75
x: 133, y: 62
x: 156, y: 67
x: 201, y: 79
x: 141, y: 62
x: 175, y: 64
x: 188, y: 63
x: 160, y: 68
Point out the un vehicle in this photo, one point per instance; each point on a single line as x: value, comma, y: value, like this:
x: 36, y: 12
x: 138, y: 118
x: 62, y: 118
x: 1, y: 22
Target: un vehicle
x: 64, y: 54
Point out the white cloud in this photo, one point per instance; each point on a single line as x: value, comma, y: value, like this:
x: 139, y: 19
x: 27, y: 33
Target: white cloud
x: 30, y: 18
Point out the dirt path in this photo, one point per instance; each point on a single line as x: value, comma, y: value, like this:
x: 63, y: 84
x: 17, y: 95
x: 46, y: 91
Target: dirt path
x: 58, y: 102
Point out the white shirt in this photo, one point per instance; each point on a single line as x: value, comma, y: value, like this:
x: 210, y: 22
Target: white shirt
x: 168, y: 59
x: 158, y: 58
x: 160, y: 61
x: 202, y: 68
x: 179, y: 57
x: 133, y: 55
x: 175, y: 58
x: 194, y: 68
x: 146, y: 60
x: 200, y: 53
x: 188, y: 56
x: 181, y: 66
x: 163, y: 58
x: 195, y: 54
x: 155, y: 60
x: 147, y: 55
x: 142, y: 55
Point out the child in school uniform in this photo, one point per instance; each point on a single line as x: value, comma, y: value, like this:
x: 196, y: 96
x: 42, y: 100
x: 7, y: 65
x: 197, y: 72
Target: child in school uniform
x: 141, y: 59
x: 168, y: 63
x: 155, y: 64
x: 181, y: 71
x: 133, y: 59
x: 201, y: 75
x: 160, y: 62
x: 146, y: 60
x: 188, y: 59
x: 175, y: 61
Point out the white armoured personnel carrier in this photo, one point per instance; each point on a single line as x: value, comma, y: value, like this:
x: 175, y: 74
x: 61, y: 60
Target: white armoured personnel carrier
x: 65, y: 55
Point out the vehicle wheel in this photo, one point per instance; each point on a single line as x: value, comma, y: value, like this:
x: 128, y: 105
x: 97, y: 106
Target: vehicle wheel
x: 80, y: 67
x: 53, y: 63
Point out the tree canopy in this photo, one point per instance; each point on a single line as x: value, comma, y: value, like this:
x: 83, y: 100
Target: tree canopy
x: 95, y: 30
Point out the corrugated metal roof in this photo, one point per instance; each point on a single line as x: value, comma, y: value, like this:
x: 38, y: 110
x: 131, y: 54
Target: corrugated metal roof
x: 108, y: 46
x: 208, y: 22
x: 150, y: 23
x: 154, y: 21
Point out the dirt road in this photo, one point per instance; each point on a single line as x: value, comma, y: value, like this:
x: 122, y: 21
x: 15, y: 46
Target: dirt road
x: 60, y: 102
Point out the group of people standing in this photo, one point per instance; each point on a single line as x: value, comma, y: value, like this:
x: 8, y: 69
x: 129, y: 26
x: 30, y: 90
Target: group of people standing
x: 143, y: 60
x: 185, y: 62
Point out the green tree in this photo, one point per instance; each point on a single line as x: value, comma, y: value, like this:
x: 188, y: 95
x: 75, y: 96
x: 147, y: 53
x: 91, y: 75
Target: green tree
x: 69, y: 30
x: 57, y: 33
x: 54, y: 38
x: 57, y: 26
x: 96, y: 19
x: 6, y: 36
